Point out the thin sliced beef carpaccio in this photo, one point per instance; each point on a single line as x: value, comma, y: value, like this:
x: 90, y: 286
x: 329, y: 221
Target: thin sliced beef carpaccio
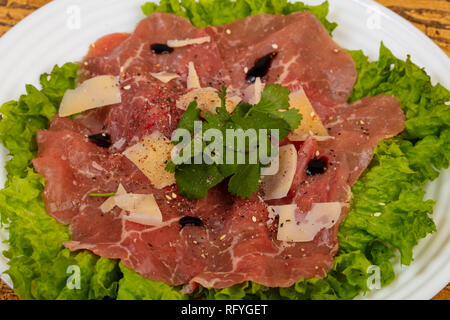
x: 236, y: 240
x: 306, y: 56
x: 149, y: 104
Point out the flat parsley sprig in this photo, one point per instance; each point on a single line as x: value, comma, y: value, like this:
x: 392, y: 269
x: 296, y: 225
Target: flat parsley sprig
x: 272, y: 112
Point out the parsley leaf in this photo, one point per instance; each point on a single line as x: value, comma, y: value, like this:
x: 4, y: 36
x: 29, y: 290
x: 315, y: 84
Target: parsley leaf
x: 194, y: 180
x: 273, y: 98
x: 188, y: 118
x: 292, y: 117
x: 271, y: 113
x: 271, y: 109
x: 259, y: 120
x: 245, y: 181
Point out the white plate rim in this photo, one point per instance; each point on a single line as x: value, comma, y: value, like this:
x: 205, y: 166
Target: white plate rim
x: 437, y: 282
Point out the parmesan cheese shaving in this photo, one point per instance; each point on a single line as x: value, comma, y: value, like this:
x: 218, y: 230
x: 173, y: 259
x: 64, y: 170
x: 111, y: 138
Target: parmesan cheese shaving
x: 187, y: 42
x: 93, y: 93
x: 110, y: 203
x: 278, y: 185
x: 253, y: 92
x: 311, y: 125
x: 165, y: 76
x: 143, y: 208
x: 321, y: 216
x: 193, y: 81
x: 207, y: 100
x: 150, y: 156
x: 234, y: 99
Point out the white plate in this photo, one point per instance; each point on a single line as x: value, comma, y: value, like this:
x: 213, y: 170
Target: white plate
x: 62, y: 30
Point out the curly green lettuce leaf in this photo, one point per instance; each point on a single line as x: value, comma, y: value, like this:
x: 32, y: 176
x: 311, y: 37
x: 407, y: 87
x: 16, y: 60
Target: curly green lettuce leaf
x: 218, y: 12
x: 424, y: 105
x: 39, y: 266
x: 134, y: 287
x: 21, y: 119
x: 388, y: 200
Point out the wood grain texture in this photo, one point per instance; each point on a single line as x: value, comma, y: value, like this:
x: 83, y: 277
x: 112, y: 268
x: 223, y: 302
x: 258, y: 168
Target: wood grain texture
x: 6, y: 293
x: 430, y: 16
x: 12, y: 11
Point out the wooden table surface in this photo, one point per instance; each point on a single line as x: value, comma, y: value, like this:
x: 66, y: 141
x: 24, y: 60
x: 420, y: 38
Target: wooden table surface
x: 430, y: 16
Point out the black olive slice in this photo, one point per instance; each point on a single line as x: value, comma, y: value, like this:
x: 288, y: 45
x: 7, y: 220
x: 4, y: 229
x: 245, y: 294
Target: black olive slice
x: 317, y: 166
x: 101, y: 139
x: 161, y: 48
x: 190, y: 221
x: 260, y: 68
